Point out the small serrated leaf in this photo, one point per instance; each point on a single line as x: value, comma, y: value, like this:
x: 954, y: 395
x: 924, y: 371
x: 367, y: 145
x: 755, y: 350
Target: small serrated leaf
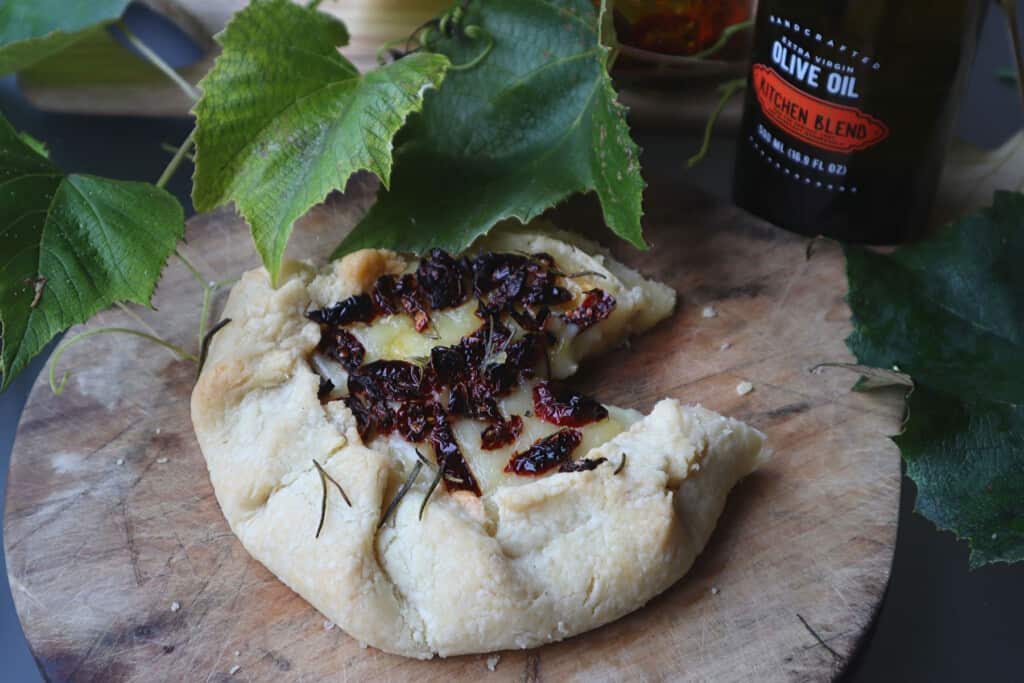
x: 949, y: 312
x: 532, y: 123
x: 70, y: 246
x: 284, y: 118
x: 31, y: 30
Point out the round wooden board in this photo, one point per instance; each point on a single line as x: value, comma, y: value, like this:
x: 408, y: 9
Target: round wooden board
x: 110, y: 518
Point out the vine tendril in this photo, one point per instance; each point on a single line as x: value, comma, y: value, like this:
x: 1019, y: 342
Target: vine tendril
x: 727, y: 90
x: 58, y: 388
x: 450, y: 25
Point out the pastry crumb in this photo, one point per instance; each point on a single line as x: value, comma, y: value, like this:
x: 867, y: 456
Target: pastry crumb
x: 238, y: 653
x: 233, y: 670
x: 714, y: 590
x: 695, y: 467
x: 161, y: 461
x: 744, y: 388
x: 328, y: 625
x: 492, y: 662
x: 175, y: 606
x: 725, y: 346
x: 709, y: 312
x: 158, y: 431
x: 120, y: 461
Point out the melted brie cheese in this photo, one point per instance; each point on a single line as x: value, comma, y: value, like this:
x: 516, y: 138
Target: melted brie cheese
x: 489, y: 466
x: 639, y: 304
x: 394, y: 337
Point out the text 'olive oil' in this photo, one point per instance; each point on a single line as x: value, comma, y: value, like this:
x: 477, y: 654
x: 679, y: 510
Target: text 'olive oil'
x: 849, y: 112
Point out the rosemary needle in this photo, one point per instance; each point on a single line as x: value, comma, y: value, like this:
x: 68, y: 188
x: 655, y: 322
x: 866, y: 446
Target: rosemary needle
x: 438, y: 475
x: 621, y: 464
x: 430, y: 492
x: 324, y: 478
x: 205, y: 346
x: 331, y: 479
x: 401, y: 493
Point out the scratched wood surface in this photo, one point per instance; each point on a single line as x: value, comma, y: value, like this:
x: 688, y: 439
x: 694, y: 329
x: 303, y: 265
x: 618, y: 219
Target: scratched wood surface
x: 123, y: 569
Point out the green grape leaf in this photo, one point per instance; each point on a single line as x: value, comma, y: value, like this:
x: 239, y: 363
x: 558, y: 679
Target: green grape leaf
x: 285, y: 119
x: 950, y: 313
x: 31, y: 30
x: 70, y: 246
x: 535, y: 121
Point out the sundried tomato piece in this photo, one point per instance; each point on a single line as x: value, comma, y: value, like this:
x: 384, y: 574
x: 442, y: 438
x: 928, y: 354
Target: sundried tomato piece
x: 324, y: 390
x: 473, y: 399
x: 449, y: 362
x: 442, y: 279
x: 414, y: 421
x: 596, y: 306
x: 555, y: 403
x: 499, y: 378
x: 584, y: 465
x: 387, y: 380
x: 529, y: 320
x: 342, y: 346
x: 486, y: 340
x: 545, y: 453
x: 355, y: 309
x: 454, y: 469
x: 501, y: 434
x: 393, y: 294
x: 385, y: 296
x: 526, y: 353
x: 364, y: 418
x: 499, y: 278
x: 545, y: 293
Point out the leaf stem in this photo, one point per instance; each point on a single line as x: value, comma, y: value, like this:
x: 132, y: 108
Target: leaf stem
x: 473, y: 33
x: 59, y: 388
x: 192, y: 268
x: 606, y: 31
x: 728, y: 89
x: 180, y: 155
x: 1010, y: 7
x: 204, y: 312
x: 723, y: 39
x: 155, y: 59
x: 209, y: 289
x: 138, y: 319
x: 173, y: 149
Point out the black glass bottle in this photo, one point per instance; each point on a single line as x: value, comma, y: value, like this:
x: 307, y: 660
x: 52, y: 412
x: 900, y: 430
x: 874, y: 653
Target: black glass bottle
x: 849, y: 113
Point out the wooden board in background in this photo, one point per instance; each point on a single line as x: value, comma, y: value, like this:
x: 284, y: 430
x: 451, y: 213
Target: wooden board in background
x: 98, y: 551
x: 100, y: 76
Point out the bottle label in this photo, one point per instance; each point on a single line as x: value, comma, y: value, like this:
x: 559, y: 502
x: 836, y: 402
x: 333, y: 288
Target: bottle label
x: 812, y: 120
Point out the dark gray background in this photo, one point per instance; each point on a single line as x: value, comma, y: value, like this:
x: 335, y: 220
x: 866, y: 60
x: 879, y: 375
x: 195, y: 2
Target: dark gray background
x: 938, y: 621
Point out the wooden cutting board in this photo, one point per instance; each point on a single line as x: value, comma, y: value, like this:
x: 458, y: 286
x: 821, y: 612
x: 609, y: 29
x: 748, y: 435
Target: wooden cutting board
x: 122, y: 568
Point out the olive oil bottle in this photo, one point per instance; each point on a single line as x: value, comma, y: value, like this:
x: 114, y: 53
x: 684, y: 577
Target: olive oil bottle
x: 849, y: 112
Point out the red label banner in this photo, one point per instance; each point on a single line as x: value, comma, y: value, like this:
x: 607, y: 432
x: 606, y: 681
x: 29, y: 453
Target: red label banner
x: 823, y: 124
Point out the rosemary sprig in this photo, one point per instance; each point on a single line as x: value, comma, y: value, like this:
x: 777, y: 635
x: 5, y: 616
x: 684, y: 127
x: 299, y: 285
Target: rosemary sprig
x: 393, y: 505
x: 324, y: 478
x: 621, y: 464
